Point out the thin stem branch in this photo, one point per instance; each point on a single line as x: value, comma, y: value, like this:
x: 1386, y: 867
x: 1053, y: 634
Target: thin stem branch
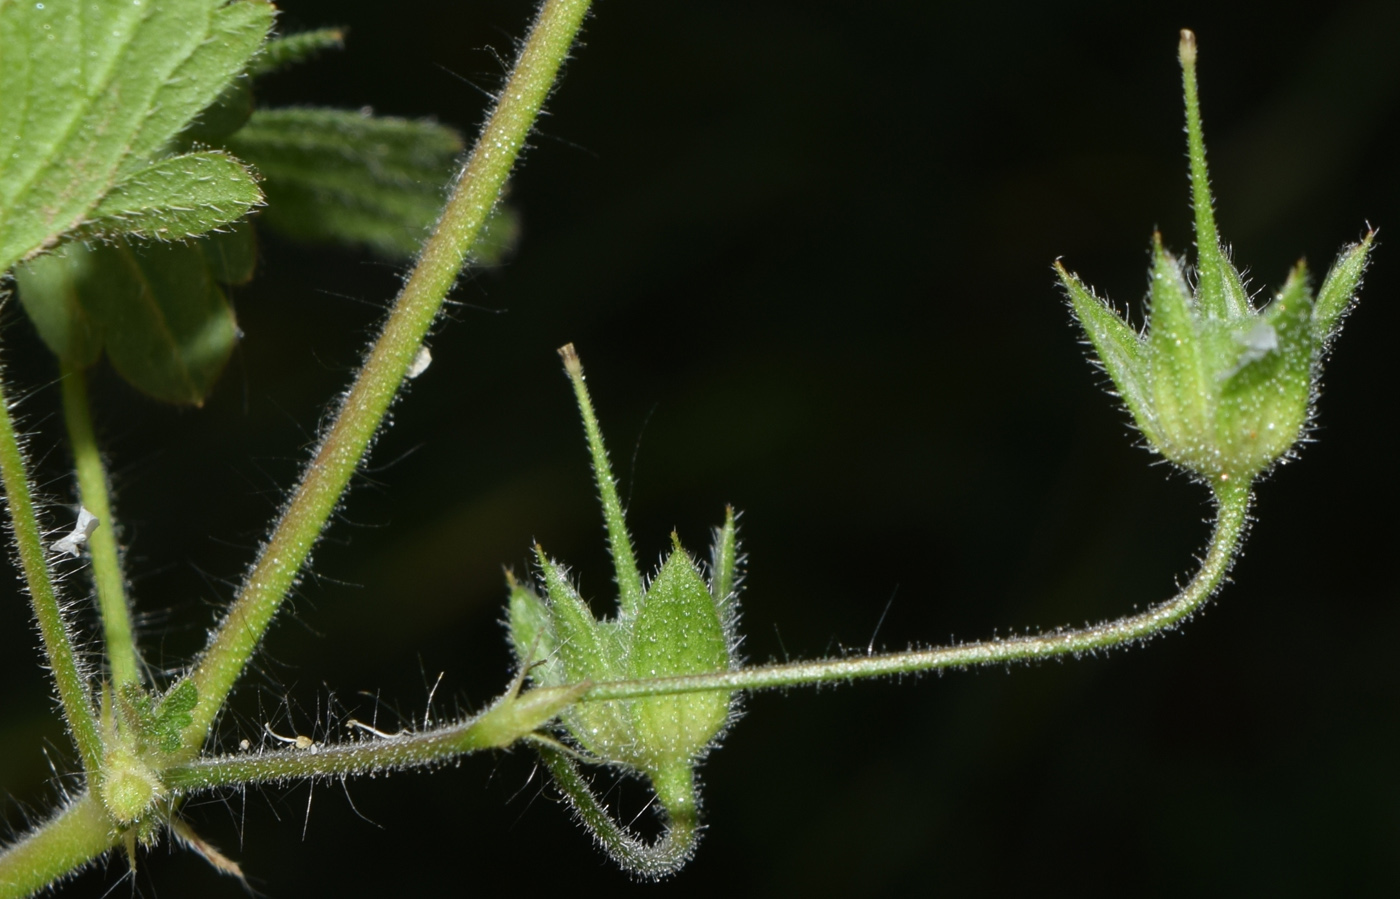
x: 75, y: 836
x: 513, y: 716
x: 344, y: 444
x: 94, y: 494
x: 58, y: 641
x: 666, y: 855
x: 1232, y: 513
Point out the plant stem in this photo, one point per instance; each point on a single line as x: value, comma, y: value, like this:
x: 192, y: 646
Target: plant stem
x: 106, y: 564
x: 58, y: 642
x: 511, y: 717
x: 663, y: 857
x: 343, y: 446
x: 72, y: 838
x: 1232, y: 514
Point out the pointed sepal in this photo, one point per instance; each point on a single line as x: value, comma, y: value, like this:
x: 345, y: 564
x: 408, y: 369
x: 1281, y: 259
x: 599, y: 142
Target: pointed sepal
x: 1264, y: 401
x: 1338, y: 293
x: 588, y: 650
x: 1181, y: 387
x: 1118, y: 347
x: 678, y: 632
x: 1219, y: 388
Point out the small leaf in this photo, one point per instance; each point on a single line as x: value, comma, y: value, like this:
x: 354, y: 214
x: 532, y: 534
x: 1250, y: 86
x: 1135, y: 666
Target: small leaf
x: 93, y: 90
x: 221, y: 118
x: 181, y: 700
x: 232, y: 255
x: 175, y: 714
x: 335, y: 175
x: 167, y: 326
x: 49, y: 291
x: 294, y: 48
x: 232, y: 34
x: 177, y: 198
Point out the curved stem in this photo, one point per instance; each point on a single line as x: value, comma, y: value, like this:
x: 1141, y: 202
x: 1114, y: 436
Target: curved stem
x: 1232, y: 515
x: 660, y: 858
x: 93, y: 493
x: 344, y: 444
x: 75, y: 836
x: 68, y: 676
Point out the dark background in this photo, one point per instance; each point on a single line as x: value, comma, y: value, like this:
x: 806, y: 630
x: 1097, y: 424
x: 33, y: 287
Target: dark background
x: 804, y: 249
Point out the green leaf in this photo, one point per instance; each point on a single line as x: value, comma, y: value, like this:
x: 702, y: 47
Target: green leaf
x: 336, y: 175
x: 165, y: 323
x: 221, y: 118
x: 169, y: 329
x: 176, y: 199
x: 232, y: 255
x: 175, y: 714
x: 294, y: 48
x: 233, y: 33
x: 94, y: 90
x: 50, y: 289
x: 156, y: 309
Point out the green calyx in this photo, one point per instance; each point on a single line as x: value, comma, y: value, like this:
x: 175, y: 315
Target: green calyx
x: 679, y: 624
x: 141, y: 732
x: 1218, y: 387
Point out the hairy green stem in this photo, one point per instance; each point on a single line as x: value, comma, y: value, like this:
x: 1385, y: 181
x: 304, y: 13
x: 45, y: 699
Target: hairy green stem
x: 511, y: 717
x: 94, y: 495
x: 343, y: 446
x: 1232, y: 514
x: 58, y: 641
x: 75, y: 836
x: 660, y: 858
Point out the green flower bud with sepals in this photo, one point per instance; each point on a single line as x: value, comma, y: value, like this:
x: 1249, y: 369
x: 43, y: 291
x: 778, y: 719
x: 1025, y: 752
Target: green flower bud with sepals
x: 680, y: 624
x: 1216, y: 386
